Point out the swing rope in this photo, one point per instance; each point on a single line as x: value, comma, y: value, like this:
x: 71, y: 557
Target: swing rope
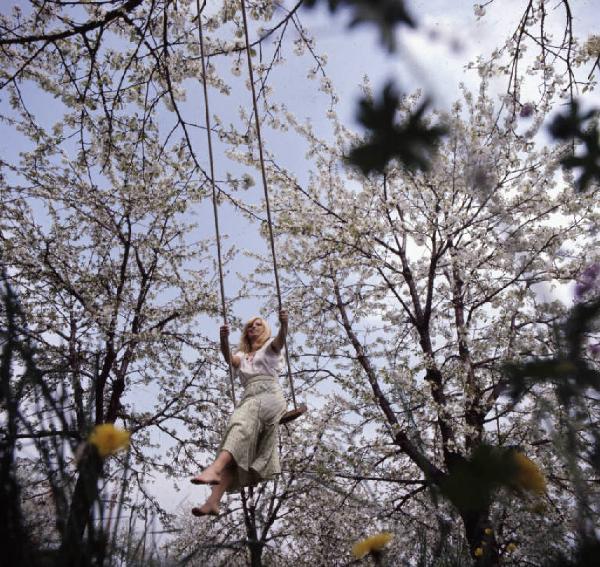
x: 213, y: 186
x: 298, y: 410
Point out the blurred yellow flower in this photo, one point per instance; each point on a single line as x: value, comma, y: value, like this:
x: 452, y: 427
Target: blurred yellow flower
x: 108, y: 439
x: 488, y: 531
x: 478, y: 552
x: 374, y: 543
x: 511, y: 547
x: 528, y: 476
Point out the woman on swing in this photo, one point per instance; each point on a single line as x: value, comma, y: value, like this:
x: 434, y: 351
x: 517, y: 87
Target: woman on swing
x: 248, y: 452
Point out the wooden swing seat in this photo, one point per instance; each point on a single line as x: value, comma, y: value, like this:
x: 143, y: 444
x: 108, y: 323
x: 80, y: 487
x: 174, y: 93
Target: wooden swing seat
x: 291, y: 415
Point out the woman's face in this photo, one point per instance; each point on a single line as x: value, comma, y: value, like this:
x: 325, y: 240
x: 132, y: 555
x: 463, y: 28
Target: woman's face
x: 255, y: 329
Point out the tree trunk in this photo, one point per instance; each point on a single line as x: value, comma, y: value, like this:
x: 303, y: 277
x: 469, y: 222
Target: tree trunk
x: 255, y: 553
x: 476, y: 523
x: 254, y: 545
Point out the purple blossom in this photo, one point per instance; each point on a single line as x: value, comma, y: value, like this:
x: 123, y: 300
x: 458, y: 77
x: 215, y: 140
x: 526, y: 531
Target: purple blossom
x: 587, y: 281
x: 526, y: 110
x: 595, y: 350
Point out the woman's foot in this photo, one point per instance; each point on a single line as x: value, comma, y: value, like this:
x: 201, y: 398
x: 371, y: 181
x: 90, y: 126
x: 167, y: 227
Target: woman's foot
x: 207, y: 476
x: 205, y: 510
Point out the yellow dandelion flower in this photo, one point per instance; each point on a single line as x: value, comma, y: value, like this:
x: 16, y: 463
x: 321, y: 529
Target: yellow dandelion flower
x: 488, y: 531
x: 478, y: 552
x: 108, y: 439
x: 528, y: 475
x: 511, y: 547
x: 374, y: 543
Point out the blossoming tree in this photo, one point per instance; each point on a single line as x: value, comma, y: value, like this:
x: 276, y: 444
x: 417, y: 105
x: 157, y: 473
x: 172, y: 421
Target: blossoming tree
x: 408, y: 288
x: 418, y: 286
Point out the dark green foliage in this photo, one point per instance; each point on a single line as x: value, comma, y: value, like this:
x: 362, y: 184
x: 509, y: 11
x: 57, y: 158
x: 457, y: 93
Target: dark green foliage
x: 471, y: 483
x: 579, y: 127
x: 411, y: 142
x: 573, y: 378
x: 17, y: 549
x: 385, y: 14
x: 569, y: 371
x: 75, y: 548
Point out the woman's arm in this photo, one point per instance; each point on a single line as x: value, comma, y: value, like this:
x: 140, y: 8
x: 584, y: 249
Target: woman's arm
x: 279, y: 341
x: 225, y: 350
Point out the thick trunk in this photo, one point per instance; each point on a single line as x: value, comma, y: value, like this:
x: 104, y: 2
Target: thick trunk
x: 255, y: 553
x: 481, y: 538
x: 255, y: 546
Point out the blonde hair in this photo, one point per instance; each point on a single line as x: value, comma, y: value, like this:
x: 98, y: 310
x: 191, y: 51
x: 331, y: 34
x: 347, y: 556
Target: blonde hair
x: 245, y: 345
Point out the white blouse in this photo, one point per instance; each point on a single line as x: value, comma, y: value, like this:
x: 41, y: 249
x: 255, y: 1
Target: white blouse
x: 264, y: 362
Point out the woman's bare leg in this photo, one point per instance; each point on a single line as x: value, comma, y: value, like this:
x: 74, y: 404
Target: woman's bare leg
x: 211, y: 506
x: 212, y: 474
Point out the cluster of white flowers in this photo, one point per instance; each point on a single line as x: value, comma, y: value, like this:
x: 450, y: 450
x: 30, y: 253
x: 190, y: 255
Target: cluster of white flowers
x: 236, y: 68
x: 592, y: 46
x: 478, y: 10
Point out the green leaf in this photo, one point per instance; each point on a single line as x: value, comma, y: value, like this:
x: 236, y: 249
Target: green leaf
x: 471, y: 482
x: 412, y: 142
x: 572, y: 125
x: 568, y: 371
x: 385, y: 14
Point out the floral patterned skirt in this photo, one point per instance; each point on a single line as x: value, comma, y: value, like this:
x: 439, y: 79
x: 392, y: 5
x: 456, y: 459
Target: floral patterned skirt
x: 252, y: 433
